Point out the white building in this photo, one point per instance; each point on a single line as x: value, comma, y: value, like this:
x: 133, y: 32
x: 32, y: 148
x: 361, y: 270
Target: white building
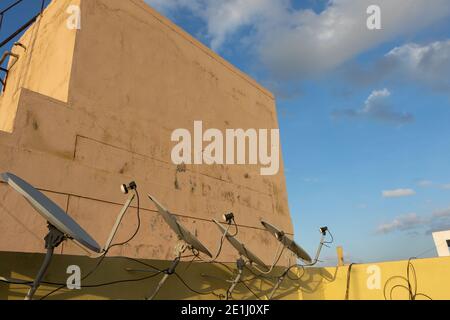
x: 442, y: 242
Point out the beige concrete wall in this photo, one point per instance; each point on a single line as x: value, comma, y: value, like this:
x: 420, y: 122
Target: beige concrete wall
x: 136, y: 77
x: 45, y: 66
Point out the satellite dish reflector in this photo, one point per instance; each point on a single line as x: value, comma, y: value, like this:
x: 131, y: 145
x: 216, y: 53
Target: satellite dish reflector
x: 240, y: 247
x: 287, y: 242
x: 183, y: 234
x: 51, y: 212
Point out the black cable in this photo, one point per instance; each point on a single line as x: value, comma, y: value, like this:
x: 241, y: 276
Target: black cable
x: 259, y: 275
x: 144, y: 264
x: 424, y: 295
x: 138, y: 224
x: 219, y: 251
x: 412, y: 292
x: 82, y: 279
x: 236, y: 227
x: 398, y: 286
x: 249, y: 289
x: 104, y: 284
x: 386, y: 285
x: 347, y: 290
x: 120, y: 281
x: 332, y: 238
x: 220, y: 296
x: 190, y: 262
x: 298, y: 278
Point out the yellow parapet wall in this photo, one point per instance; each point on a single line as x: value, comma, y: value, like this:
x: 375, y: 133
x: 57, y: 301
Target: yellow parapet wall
x: 429, y: 278
x: 201, y: 277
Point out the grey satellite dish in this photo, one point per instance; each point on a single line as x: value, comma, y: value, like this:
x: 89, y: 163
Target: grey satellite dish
x: 241, y: 247
x: 243, y: 251
x: 51, y: 212
x: 294, y: 248
x: 60, y: 225
x: 181, y: 232
x: 188, y: 241
x: 287, y: 242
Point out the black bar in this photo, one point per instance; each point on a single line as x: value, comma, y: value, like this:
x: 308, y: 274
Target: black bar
x: 10, y: 7
x: 26, y: 25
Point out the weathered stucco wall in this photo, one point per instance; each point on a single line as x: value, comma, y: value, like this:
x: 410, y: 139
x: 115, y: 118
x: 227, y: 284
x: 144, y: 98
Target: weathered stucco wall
x: 133, y: 78
x: 45, y: 65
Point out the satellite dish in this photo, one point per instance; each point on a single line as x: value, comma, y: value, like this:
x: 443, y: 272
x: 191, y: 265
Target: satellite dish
x: 190, y: 241
x: 182, y: 233
x: 51, y: 212
x: 240, y: 247
x: 287, y: 242
x: 60, y: 225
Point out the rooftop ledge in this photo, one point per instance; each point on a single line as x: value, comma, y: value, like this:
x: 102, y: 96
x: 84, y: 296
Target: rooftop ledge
x: 429, y: 279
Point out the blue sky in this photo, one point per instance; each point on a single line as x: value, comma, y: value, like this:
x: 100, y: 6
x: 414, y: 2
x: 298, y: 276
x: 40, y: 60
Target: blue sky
x: 361, y: 111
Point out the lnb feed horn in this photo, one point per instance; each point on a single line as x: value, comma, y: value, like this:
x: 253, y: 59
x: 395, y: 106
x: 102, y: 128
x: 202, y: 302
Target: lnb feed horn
x: 126, y: 188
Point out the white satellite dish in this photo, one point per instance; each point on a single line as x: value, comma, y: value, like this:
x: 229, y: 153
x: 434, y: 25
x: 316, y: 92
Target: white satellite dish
x: 240, y: 247
x: 181, y: 232
x: 51, y: 212
x: 60, y: 225
x: 294, y: 248
x: 240, y: 263
x: 188, y: 241
x: 287, y: 242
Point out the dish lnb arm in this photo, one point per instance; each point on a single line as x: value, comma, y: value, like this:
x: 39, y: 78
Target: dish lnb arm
x: 125, y: 188
x: 323, y: 231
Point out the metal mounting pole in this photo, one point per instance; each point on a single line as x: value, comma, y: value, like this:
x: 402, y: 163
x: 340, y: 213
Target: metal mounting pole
x: 52, y: 240
x: 40, y: 275
x: 278, y: 284
x: 118, y: 221
x: 167, y: 274
x: 240, y: 266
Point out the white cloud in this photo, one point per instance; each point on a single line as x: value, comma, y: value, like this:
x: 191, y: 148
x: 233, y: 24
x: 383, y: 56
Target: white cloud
x: 402, y: 223
x: 398, y: 193
x: 413, y: 224
x: 300, y: 42
x: 425, y: 183
x: 376, y: 107
x: 165, y: 6
x: 428, y: 63
x: 442, y: 213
